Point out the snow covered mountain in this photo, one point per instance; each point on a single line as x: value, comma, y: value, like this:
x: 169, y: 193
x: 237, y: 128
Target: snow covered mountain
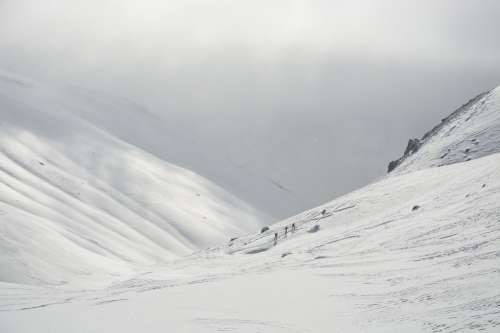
x: 418, y: 250
x: 470, y: 132
x: 79, y: 199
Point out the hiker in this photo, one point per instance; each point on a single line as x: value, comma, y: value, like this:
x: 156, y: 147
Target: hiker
x: 286, y: 231
x: 275, y: 238
x: 293, y: 227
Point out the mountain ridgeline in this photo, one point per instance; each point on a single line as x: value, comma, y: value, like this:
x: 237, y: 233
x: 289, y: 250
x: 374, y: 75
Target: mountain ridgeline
x: 470, y: 132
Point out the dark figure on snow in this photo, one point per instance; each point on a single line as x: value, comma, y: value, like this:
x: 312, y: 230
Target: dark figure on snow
x: 293, y: 227
x: 286, y: 231
x: 275, y: 238
x: 323, y: 212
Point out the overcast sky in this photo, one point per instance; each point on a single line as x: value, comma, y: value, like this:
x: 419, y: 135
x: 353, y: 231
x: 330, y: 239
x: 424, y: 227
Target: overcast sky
x: 316, y: 95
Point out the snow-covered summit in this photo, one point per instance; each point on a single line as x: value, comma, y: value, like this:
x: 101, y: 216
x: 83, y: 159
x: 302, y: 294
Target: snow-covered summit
x: 472, y: 131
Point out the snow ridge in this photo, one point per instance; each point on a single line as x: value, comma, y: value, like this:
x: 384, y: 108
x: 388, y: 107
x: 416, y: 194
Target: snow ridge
x: 472, y: 131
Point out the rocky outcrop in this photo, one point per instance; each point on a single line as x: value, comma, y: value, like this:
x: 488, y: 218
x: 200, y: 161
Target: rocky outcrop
x: 414, y: 145
x: 411, y: 148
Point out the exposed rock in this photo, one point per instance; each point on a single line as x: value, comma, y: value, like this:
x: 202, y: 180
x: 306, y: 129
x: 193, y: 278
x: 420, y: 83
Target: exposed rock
x: 412, y: 147
x: 393, y: 165
x: 314, y: 229
x: 415, y: 144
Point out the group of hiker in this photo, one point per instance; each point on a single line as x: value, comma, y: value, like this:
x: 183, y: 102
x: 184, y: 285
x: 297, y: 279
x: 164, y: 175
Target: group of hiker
x: 292, y: 228
x: 324, y: 213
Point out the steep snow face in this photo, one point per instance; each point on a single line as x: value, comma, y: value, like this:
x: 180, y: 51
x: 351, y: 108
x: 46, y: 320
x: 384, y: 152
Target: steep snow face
x: 78, y: 201
x: 470, y: 132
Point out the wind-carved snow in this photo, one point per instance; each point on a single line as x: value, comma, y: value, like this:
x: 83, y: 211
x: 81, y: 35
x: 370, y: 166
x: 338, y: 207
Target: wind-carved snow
x: 416, y: 251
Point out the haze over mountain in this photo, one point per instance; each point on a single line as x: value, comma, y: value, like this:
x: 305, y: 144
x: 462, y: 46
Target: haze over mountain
x: 316, y: 95
x: 83, y: 192
x: 417, y: 250
x: 159, y: 161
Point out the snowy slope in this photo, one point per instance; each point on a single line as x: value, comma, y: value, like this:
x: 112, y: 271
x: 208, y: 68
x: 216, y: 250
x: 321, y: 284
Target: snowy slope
x: 77, y: 200
x: 417, y: 251
x: 177, y: 145
x: 375, y: 265
x: 470, y: 132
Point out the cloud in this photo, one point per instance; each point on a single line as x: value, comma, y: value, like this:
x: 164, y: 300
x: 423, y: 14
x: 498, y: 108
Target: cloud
x: 317, y: 95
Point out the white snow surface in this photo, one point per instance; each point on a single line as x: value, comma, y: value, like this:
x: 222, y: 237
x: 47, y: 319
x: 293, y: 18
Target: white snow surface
x: 78, y: 202
x: 416, y: 251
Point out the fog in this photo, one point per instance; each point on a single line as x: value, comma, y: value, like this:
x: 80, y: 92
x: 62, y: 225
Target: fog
x: 317, y: 96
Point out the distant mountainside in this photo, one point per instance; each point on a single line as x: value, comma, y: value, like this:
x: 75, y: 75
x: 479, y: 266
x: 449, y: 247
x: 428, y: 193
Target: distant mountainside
x: 80, y: 195
x: 470, y: 132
